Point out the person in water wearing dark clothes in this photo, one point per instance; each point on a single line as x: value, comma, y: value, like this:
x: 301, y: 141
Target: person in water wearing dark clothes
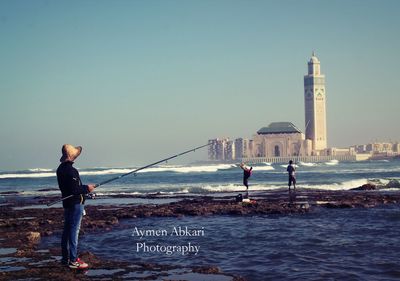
x: 70, y: 184
x: 292, y: 175
x: 246, y: 174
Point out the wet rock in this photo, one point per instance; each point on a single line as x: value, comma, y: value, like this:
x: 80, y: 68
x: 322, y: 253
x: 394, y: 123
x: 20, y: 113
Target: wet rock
x: 393, y: 184
x: 90, y: 258
x: 48, y: 189
x: 9, y: 192
x: 367, y: 186
x: 23, y: 234
x: 112, y: 221
x: 207, y: 270
x: 335, y: 205
x: 237, y: 212
x: 238, y: 278
x: 33, y: 237
x: 4, y: 223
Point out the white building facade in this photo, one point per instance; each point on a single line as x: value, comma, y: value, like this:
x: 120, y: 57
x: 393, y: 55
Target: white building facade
x: 280, y: 139
x: 315, y: 105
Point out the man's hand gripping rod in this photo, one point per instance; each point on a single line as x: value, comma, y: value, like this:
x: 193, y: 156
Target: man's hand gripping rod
x: 131, y: 172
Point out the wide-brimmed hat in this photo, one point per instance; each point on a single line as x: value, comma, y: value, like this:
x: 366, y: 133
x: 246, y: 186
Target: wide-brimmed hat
x: 70, y: 152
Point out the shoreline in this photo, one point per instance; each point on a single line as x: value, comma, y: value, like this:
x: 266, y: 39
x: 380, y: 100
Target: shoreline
x: 22, y: 229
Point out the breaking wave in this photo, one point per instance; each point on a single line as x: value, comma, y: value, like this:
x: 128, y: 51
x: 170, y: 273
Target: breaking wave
x: 209, y: 189
x: 346, y: 185
x: 233, y: 187
x: 332, y: 162
x: 40, y: 170
x: 307, y: 164
x: 263, y: 168
x: 27, y: 175
x: 190, y: 169
x: 43, y: 173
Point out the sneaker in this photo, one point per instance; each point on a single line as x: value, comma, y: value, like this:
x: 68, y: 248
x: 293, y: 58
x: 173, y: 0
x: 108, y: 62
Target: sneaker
x: 78, y: 264
x: 64, y: 262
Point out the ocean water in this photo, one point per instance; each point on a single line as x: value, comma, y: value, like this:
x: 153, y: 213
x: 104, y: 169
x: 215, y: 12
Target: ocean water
x: 206, y: 179
x: 325, y: 244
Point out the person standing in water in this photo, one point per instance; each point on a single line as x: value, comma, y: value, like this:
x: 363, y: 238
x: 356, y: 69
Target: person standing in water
x: 292, y: 175
x: 246, y: 175
x: 70, y: 184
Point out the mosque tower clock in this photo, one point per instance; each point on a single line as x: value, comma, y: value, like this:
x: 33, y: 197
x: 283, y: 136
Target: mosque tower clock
x: 315, y: 105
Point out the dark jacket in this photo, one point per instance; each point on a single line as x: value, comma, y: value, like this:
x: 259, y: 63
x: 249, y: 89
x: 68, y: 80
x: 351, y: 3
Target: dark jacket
x: 70, y: 183
x: 247, y: 173
x: 291, y: 170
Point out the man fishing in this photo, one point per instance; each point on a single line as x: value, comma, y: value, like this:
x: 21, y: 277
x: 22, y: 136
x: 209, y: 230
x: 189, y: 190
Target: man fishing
x: 246, y: 175
x: 292, y: 175
x: 70, y: 184
x: 73, y: 200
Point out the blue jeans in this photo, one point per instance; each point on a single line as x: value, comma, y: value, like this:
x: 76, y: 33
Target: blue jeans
x: 69, y: 239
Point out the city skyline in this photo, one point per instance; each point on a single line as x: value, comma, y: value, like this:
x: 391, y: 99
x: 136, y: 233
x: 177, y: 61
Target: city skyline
x: 133, y: 82
x: 227, y: 149
x: 283, y: 141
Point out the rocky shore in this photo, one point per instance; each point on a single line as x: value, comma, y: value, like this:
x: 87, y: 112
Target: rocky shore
x: 23, y: 224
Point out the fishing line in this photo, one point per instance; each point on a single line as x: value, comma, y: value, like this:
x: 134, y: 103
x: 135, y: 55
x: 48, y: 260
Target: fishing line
x: 132, y: 172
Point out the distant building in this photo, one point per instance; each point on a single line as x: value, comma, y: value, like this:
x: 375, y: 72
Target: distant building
x: 361, y: 148
x: 243, y: 148
x: 220, y: 149
x: 213, y: 149
x: 280, y: 139
x: 369, y: 147
x: 230, y: 150
x: 315, y: 105
x: 334, y: 151
x: 380, y: 148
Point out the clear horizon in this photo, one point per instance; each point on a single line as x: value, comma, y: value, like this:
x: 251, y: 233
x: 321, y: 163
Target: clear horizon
x: 134, y: 82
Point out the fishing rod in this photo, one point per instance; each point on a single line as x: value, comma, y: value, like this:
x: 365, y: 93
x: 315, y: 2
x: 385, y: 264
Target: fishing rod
x: 132, y: 172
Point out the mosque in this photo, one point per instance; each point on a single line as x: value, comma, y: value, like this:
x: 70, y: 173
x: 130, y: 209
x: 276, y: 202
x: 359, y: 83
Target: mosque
x: 282, y: 141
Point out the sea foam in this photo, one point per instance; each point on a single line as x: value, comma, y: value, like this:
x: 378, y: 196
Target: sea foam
x: 43, y: 173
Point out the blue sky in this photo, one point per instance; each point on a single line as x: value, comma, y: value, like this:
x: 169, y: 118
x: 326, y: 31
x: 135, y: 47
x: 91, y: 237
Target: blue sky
x: 136, y: 81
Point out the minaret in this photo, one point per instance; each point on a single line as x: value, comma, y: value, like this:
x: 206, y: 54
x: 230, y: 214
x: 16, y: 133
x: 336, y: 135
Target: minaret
x: 314, y: 102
